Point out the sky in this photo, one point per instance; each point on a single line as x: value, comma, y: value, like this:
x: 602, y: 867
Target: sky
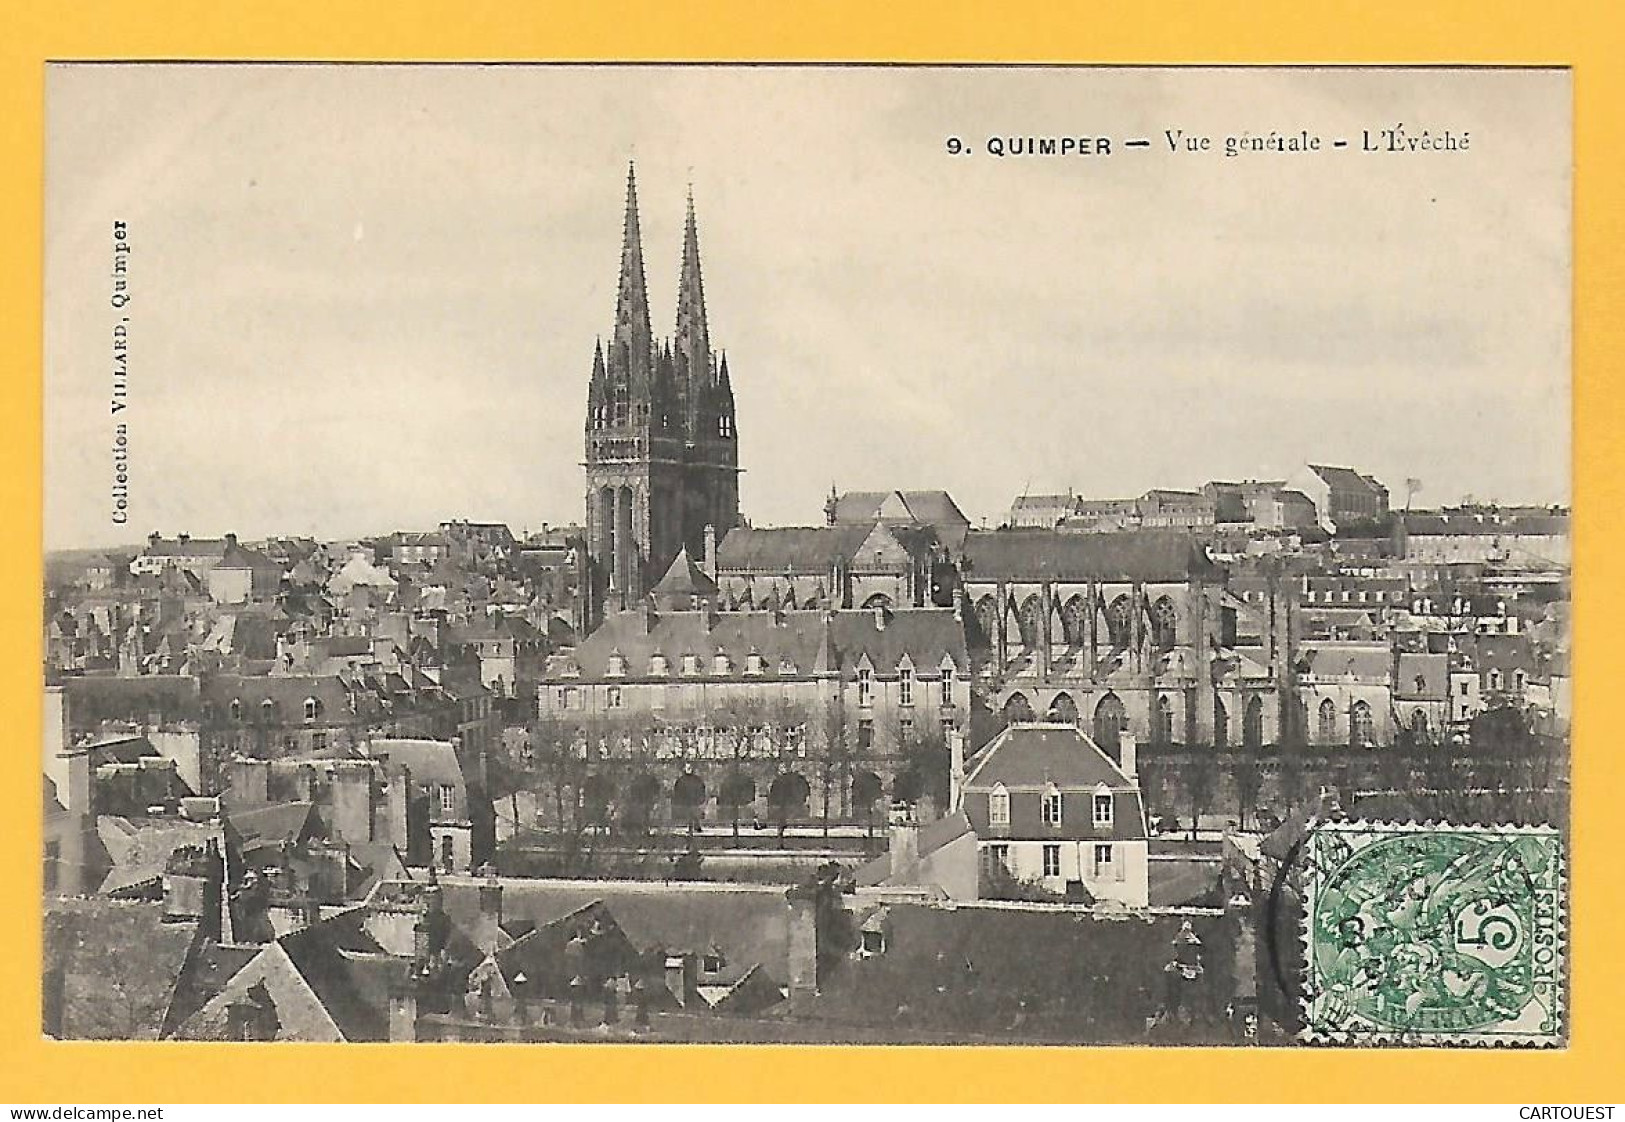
x: 365, y: 298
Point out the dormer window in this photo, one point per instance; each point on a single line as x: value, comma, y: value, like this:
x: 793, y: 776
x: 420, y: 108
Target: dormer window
x: 1103, y: 808
x: 787, y: 668
x: 313, y: 708
x: 753, y: 663
x: 947, y: 683
x: 617, y: 665
x: 657, y: 666
x: 905, y: 685
x: 691, y: 664
x: 721, y: 665
x: 998, y: 807
x: 713, y: 961
x: 1050, y: 808
x: 236, y: 708
x: 866, y: 686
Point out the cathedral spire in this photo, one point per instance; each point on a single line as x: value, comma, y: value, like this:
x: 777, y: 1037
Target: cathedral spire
x: 693, y: 335
x: 631, y: 349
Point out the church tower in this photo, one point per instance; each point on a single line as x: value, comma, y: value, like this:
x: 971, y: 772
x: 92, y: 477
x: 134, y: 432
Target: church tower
x: 661, y: 451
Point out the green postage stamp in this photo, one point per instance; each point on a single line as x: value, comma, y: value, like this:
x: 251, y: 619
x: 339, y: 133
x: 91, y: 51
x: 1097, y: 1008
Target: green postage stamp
x: 1434, y: 934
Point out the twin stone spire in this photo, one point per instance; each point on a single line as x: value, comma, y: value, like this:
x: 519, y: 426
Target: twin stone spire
x: 678, y: 383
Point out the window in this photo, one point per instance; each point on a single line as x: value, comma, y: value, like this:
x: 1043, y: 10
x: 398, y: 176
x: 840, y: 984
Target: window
x: 1519, y: 679
x: 236, y: 708
x: 1052, y: 860
x: 713, y: 962
x: 268, y: 710
x: 1103, y: 859
x: 998, y: 807
x: 948, y: 685
x: 905, y: 686
x: 1495, y: 679
x: 1361, y: 726
x: 721, y: 664
x: 753, y: 663
x: 998, y: 857
x: 865, y: 686
x: 874, y: 942
x: 617, y: 665
x: 313, y: 708
x: 657, y: 666
x: 448, y: 799
x: 1328, y: 721
x: 1103, y: 810
x: 318, y: 741
x: 1050, y: 809
x: 691, y: 664
x: 613, y: 697
x: 1464, y: 687
x: 866, y: 733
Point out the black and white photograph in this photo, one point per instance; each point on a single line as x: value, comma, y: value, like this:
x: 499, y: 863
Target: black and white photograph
x: 823, y: 554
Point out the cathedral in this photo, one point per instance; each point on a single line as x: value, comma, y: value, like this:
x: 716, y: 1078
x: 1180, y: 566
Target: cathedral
x: 662, y: 451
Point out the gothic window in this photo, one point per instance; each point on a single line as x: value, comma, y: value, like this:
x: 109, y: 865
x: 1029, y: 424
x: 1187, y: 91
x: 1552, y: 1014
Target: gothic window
x: 1328, y: 722
x: 1252, y: 724
x: 1164, y: 626
x: 1419, y: 724
x: 1017, y: 709
x: 1109, y: 720
x: 1075, y: 621
x: 987, y: 620
x: 1063, y: 710
x: 1360, y: 726
x: 1120, y: 621
x: 1162, y: 724
x: 1221, y: 724
x: 1031, y: 621
x: 236, y: 709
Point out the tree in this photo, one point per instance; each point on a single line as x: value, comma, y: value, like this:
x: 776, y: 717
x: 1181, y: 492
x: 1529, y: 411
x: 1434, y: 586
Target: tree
x: 738, y: 791
x: 1199, y: 783
x: 1248, y: 775
x: 558, y: 762
x: 833, y: 751
x: 787, y: 792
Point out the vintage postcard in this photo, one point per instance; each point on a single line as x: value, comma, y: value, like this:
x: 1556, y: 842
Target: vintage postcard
x: 816, y: 554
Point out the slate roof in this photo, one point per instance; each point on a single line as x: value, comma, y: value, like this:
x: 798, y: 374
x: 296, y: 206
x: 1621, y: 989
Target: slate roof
x: 140, y: 848
x: 1033, y: 755
x: 117, y: 965
x: 1330, y: 658
x: 750, y: 924
x: 1077, y: 976
x: 272, y: 824
x: 684, y: 578
x: 1132, y: 555
x: 936, y: 509
x: 431, y: 762
x: 797, y: 550
x: 810, y: 640
x: 1346, y: 479
x: 1433, y: 669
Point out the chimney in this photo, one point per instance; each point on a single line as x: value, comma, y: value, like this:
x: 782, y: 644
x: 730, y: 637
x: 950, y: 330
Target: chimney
x: 956, y: 768
x: 396, y: 785
x: 681, y: 978
x: 350, y: 792
x: 803, y: 901
x: 231, y: 540
x: 154, y: 538
x: 1126, y: 752
x: 248, y: 782
x: 403, y: 1007
x: 488, y: 929
x: 905, y: 843
x: 710, y: 551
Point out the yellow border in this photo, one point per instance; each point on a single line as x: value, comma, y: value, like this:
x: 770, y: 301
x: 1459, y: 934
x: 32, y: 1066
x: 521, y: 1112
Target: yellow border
x: 1399, y: 31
